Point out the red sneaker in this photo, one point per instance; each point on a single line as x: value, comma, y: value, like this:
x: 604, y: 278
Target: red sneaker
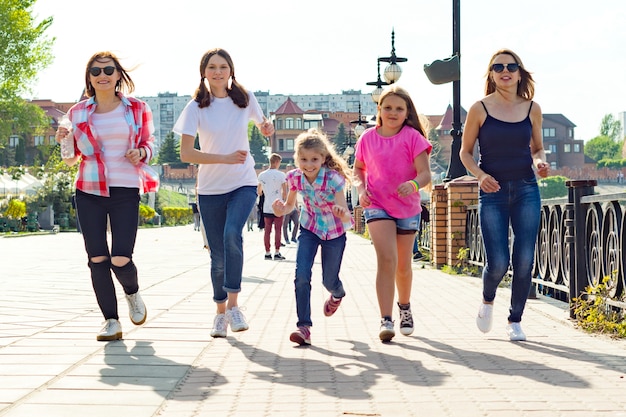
x: 331, y: 305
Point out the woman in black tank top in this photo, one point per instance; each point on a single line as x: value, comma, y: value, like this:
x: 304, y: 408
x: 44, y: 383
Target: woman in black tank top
x: 507, y: 125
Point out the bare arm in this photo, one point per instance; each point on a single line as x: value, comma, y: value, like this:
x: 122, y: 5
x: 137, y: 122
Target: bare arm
x: 281, y: 208
x: 359, y: 182
x: 475, y: 118
x: 536, y: 142
x: 340, y: 208
x: 423, y: 178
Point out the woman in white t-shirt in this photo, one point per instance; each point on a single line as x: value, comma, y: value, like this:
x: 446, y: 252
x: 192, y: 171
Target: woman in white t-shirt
x: 219, y: 114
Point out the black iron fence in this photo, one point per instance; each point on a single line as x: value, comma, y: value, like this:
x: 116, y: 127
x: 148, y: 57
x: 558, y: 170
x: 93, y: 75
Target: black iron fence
x: 581, y: 240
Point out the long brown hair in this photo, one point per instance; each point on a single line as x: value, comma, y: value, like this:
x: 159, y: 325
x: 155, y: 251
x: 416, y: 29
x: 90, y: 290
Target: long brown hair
x: 125, y: 84
x: 236, y: 92
x: 526, y: 85
x: 413, y: 119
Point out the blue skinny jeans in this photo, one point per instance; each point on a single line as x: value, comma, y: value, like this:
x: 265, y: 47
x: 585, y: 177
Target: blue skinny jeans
x: 224, y: 216
x: 516, y: 203
x: 332, y: 254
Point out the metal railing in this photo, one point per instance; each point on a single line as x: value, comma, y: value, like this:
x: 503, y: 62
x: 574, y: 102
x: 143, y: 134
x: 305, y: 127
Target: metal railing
x: 581, y: 240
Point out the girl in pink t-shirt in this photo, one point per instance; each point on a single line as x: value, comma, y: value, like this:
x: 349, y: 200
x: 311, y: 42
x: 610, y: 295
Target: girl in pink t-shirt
x: 392, y: 163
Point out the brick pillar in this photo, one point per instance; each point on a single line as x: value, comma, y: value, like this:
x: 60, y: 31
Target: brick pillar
x: 461, y: 192
x: 438, y: 225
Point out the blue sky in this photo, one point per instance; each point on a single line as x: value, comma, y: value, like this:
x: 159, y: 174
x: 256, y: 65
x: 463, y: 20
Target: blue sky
x: 575, y: 49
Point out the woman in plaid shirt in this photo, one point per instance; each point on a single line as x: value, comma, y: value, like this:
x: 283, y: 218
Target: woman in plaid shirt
x: 324, y: 219
x: 113, y: 141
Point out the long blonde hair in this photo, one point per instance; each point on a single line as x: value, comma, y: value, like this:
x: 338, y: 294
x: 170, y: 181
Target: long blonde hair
x: 317, y: 141
x: 526, y: 86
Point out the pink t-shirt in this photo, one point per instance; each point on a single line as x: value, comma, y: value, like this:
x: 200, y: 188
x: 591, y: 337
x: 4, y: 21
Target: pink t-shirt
x: 388, y: 163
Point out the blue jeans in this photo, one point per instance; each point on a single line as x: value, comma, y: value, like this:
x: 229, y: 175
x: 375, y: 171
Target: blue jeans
x: 332, y: 254
x: 224, y: 216
x: 517, y: 202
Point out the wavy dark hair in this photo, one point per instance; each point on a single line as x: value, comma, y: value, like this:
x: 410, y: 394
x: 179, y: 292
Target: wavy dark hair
x: 412, y: 119
x: 125, y: 84
x: 236, y: 92
x: 526, y: 85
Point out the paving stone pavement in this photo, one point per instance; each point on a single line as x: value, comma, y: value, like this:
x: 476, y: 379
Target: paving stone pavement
x: 51, y: 364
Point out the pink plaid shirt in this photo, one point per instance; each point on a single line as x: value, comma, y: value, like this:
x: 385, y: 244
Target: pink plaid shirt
x: 92, y: 178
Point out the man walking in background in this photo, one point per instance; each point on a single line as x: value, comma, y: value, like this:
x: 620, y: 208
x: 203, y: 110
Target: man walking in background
x: 273, y: 185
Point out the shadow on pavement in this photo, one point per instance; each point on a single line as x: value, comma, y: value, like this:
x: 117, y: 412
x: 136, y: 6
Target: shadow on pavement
x: 140, y: 366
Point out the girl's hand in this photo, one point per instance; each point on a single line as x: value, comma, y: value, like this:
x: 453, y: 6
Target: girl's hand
x: 278, y: 207
x: 341, y: 212
x: 267, y: 128
x: 405, y: 189
x: 364, y: 199
x: 543, y: 169
x: 237, y: 157
x: 488, y: 183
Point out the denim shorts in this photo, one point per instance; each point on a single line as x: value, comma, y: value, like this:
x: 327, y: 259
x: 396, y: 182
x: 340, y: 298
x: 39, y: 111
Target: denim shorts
x: 408, y: 225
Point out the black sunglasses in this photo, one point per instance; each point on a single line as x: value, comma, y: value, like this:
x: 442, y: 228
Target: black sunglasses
x: 95, y: 71
x: 500, y: 67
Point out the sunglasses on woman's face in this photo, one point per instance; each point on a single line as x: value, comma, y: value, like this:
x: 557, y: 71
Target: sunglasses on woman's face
x: 95, y: 71
x: 500, y: 67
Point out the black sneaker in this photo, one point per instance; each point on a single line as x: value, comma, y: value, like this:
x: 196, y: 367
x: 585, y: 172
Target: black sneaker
x: 268, y: 256
x: 406, y: 319
x: 278, y: 257
x: 417, y: 256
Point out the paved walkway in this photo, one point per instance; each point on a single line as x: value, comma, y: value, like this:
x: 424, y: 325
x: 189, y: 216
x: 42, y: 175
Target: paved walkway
x: 51, y: 364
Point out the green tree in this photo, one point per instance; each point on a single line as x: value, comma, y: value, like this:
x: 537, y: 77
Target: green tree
x: 25, y: 52
x: 169, y: 152
x: 611, y: 128
x: 257, y: 146
x: 603, y: 147
x: 341, y: 139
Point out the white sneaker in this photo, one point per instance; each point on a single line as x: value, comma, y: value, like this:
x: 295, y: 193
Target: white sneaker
x: 484, y: 320
x: 386, y: 330
x: 136, y: 308
x: 220, y: 326
x: 515, y: 332
x: 236, y: 319
x: 112, y: 330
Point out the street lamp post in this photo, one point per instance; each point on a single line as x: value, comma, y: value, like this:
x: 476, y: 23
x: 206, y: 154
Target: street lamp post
x: 456, y: 168
x: 444, y: 71
x: 392, y: 71
x: 379, y: 85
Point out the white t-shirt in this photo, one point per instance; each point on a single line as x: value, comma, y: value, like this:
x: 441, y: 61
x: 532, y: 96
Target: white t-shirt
x: 222, y: 129
x: 272, y: 181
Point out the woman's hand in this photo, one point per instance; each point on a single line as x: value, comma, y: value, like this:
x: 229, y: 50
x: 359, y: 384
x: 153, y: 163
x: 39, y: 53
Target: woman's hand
x: 488, y: 183
x: 543, y: 169
x: 134, y: 156
x: 60, y: 134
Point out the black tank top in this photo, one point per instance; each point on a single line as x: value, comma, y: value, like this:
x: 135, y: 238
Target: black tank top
x: 505, y: 148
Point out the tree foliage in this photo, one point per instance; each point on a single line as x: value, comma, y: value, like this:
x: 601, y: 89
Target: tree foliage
x: 25, y: 52
x: 169, y: 152
x: 603, y: 147
x: 257, y: 145
x: 611, y: 128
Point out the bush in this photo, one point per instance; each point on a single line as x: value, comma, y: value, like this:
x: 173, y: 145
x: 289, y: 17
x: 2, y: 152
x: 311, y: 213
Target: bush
x: 174, y: 216
x: 146, y: 212
x: 16, y: 209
